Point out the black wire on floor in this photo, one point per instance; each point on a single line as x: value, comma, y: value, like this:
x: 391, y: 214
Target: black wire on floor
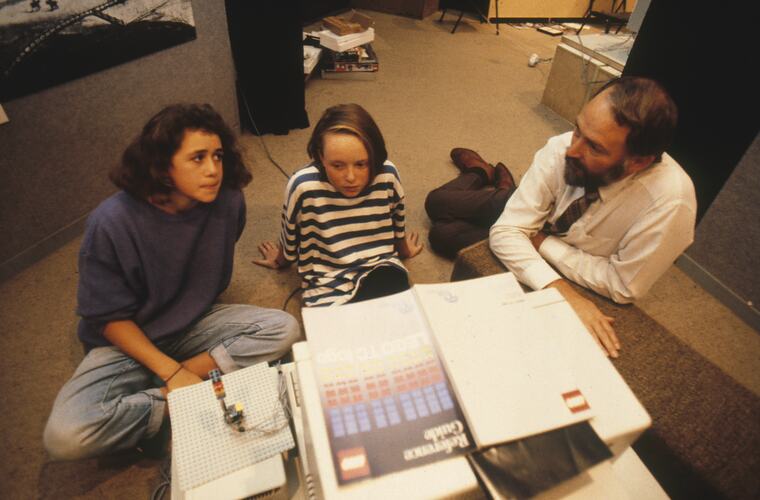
x: 295, y: 291
x: 166, y: 480
x: 264, y: 144
x: 287, y: 176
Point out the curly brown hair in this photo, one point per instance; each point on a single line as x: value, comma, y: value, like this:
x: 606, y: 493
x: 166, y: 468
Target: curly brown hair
x: 143, y: 171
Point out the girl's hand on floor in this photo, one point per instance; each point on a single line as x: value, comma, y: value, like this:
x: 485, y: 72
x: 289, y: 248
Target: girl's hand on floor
x: 271, y: 255
x: 411, y: 246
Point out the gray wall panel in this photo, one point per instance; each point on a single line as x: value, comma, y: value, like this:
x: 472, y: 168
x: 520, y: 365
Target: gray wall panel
x: 728, y: 236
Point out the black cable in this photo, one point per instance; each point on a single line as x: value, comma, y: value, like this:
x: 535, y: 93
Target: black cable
x: 166, y: 480
x: 287, y: 176
x: 269, y: 155
x: 295, y: 291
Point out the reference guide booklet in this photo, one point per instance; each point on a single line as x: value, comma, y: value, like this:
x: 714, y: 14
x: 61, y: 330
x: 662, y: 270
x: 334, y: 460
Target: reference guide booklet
x: 433, y: 372
x: 386, y: 398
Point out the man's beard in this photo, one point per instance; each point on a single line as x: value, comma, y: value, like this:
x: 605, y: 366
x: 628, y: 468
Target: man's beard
x: 576, y: 174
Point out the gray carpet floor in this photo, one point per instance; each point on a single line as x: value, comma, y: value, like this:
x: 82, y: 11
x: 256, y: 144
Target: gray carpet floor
x: 434, y: 91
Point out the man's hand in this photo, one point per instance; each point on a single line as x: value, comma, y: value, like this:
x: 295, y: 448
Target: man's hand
x: 537, y: 239
x: 272, y: 255
x: 597, y: 323
x: 410, y: 246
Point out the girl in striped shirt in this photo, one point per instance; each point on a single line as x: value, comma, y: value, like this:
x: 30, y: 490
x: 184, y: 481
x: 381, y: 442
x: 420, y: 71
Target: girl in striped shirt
x: 343, y: 216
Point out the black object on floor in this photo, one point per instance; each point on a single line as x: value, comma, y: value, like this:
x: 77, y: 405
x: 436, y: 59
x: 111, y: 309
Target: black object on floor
x: 267, y: 47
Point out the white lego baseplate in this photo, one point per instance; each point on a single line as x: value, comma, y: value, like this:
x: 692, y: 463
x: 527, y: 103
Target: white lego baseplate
x: 205, y: 447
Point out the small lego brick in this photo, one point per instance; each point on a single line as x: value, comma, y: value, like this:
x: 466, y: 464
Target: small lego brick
x: 217, y: 384
x: 233, y: 414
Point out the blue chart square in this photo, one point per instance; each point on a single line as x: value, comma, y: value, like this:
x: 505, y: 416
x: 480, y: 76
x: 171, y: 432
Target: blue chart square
x: 432, y: 401
x: 444, y: 396
x: 362, y: 418
x: 377, y: 411
x: 390, y: 409
x: 349, y: 420
x: 407, y: 406
x: 419, y: 403
x: 337, y: 423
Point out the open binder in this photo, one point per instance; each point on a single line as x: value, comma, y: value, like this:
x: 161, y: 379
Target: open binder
x: 437, y: 370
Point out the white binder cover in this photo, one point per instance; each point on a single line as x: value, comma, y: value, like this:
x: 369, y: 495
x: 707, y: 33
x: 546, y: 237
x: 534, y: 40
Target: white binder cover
x: 507, y: 369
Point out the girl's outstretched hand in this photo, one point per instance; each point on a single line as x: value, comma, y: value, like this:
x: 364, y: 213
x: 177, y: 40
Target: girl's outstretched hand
x: 410, y: 246
x: 272, y: 255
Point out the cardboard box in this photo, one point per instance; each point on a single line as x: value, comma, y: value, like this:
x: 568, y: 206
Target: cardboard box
x: 352, y: 22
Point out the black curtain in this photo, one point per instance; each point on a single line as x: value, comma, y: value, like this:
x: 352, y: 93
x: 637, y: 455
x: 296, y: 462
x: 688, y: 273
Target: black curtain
x: 705, y: 62
x: 267, y: 47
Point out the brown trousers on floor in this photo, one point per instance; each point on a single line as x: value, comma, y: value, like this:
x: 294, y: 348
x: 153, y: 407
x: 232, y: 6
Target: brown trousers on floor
x: 462, y: 211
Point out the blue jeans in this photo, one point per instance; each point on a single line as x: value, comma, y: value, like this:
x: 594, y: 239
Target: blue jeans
x: 112, y: 402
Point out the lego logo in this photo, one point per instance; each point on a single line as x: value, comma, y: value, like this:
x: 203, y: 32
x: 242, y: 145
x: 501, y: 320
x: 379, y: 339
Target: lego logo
x: 575, y: 401
x: 353, y: 463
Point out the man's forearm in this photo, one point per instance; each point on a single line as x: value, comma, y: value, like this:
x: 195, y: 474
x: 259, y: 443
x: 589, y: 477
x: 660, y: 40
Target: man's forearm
x: 516, y: 251
x: 563, y: 286
x: 595, y: 272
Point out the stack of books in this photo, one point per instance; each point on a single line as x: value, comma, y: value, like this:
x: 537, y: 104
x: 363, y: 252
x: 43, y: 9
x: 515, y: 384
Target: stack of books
x: 338, y: 43
x: 347, y: 47
x: 357, y: 63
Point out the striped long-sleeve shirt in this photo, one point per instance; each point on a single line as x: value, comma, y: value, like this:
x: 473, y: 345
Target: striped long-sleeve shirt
x: 338, y: 240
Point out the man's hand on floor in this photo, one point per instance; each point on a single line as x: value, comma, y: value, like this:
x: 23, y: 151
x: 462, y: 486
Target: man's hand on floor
x: 596, y: 322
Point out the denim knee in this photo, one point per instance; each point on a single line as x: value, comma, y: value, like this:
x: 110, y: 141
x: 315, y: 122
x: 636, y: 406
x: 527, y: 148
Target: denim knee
x: 63, y: 441
x: 291, y: 332
x: 279, y: 326
x: 265, y: 335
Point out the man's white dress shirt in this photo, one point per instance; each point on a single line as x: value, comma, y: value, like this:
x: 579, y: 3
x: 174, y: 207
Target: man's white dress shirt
x: 622, y: 243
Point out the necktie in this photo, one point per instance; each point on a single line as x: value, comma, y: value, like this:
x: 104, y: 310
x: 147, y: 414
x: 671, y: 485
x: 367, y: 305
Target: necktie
x: 573, y: 212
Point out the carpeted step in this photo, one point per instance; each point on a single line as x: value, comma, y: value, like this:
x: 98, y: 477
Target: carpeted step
x: 705, y: 436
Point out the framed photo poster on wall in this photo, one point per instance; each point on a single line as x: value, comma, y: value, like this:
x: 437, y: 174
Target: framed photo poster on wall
x: 47, y: 42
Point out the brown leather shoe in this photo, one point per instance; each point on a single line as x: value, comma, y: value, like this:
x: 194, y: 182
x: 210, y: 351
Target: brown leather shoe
x: 466, y: 159
x: 502, y: 177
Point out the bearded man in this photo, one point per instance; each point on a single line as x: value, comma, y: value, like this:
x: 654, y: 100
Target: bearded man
x: 603, y: 206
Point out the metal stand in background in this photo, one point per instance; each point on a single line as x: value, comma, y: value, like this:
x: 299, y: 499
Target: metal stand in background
x: 617, y: 15
x: 481, y: 17
x: 497, y: 16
